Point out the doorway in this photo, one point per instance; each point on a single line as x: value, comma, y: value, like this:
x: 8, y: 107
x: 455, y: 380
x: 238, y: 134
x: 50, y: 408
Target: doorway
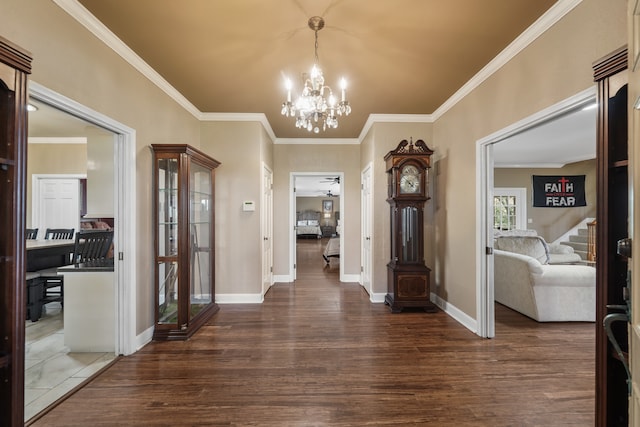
x: 485, y: 178
x: 123, y: 177
x: 317, y: 197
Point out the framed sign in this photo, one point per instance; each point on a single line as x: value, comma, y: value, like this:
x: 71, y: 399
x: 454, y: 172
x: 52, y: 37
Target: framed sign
x: 558, y: 191
x: 327, y: 206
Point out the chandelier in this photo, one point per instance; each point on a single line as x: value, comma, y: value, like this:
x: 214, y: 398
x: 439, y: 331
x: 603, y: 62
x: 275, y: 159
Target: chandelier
x: 316, y: 106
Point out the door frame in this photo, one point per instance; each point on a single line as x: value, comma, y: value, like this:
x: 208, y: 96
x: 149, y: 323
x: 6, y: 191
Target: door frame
x: 485, y: 320
x: 292, y: 219
x: 266, y: 224
x: 366, y: 220
x: 125, y: 203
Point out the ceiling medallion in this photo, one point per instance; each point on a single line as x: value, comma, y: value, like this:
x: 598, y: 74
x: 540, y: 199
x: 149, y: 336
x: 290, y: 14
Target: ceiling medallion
x: 316, y: 107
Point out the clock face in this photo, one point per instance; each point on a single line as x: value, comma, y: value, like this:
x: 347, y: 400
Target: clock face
x: 409, y: 180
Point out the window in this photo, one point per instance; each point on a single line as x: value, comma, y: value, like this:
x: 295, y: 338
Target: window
x: 509, y: 208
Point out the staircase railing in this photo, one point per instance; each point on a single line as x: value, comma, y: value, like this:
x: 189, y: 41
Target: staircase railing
x: 591, y: 241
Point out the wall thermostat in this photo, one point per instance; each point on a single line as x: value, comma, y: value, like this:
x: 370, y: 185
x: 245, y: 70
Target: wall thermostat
x: 248, y: 206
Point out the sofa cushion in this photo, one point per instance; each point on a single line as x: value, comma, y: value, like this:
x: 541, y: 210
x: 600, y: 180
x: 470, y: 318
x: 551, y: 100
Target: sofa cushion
x: 533, y: 246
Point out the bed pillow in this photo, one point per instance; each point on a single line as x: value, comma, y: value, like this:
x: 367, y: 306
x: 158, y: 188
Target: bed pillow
x: 302, y: 223
x: 313, y: 222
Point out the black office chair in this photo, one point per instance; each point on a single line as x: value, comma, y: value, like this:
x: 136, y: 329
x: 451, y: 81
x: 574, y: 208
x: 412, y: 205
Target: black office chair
x: 53, y: 283
x: 31, y: 233
x: 59, y: 233
x: 92, y: 245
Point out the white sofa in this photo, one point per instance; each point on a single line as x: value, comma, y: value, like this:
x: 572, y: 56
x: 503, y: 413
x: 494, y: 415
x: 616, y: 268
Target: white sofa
x: 529, y: 284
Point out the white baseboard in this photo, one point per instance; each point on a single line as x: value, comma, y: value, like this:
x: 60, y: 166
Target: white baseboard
x: 284, y: 278
x: 350, y: 278
x: 377, y: 297
x: 144, y: 338
x: 460, y: 316
x: 239, y: 298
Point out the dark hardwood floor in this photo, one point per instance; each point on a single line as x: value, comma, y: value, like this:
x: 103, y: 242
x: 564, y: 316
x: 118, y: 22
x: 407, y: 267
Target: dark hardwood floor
x: 318, y: 353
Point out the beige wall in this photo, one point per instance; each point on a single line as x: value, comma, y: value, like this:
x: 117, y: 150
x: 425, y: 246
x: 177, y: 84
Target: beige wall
x: 100, y: 179
x: 382, y: 138
x: 317, y: 158
x: 239, y: 148
x: 315, y: 204
x: 554, y: 67
x: 552, y: 223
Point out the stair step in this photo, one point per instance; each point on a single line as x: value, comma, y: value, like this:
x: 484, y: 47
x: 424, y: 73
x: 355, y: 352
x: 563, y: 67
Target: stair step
x: 578, y: 238
x: 583, y: 231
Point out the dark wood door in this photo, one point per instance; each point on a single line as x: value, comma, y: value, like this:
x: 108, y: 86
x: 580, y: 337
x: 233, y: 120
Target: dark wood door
x: 612, y: 226
x: 15, y: 65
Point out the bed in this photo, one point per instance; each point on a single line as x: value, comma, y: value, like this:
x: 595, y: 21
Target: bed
x: 308, y: 225
x: 332, y: 250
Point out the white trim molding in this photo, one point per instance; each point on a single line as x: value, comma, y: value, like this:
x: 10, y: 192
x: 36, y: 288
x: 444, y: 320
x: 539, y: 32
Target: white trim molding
x: 546, y: 21
x: 454, y: 312
x: 57, y: 140
x: 239, y: 298
x: 377, y: 297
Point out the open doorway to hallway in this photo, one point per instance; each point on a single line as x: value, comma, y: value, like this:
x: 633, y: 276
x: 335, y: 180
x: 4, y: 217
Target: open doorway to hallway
x: 316, y: 214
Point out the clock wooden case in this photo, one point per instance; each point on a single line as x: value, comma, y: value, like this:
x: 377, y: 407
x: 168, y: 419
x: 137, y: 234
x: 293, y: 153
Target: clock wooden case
x: 408, y: 278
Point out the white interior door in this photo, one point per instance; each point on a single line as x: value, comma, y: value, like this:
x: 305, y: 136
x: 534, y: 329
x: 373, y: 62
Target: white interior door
x: 56, y: 203
x: 267, y: 229
x: 366, y: 229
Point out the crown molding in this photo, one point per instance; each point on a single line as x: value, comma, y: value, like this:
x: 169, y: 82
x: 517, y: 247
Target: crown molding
x: 97, y: 28
x: 321, y: 141
x: 240, y: 117
x: 546, y: 21
x: 393, y: 118
x: 57, y: 140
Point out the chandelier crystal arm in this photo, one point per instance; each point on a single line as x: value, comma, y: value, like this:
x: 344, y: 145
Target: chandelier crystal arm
x: 316, y: 106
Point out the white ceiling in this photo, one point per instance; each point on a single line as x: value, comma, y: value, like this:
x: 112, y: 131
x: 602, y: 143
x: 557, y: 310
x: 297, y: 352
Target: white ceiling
x: 566, y: 139
x: 317, y: 186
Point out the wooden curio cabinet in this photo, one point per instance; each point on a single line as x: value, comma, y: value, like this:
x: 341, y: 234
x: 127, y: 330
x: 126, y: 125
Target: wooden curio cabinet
x: 184, y: 183
x: 612, y: 292
x: 15, y: 65
x: 408, y: 278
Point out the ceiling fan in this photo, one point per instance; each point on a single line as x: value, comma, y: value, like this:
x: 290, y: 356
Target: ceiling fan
x: 328, y: 193
x: 332, y: 180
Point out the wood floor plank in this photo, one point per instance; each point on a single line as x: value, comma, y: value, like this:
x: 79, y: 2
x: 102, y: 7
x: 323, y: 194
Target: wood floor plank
x: 318, y: 353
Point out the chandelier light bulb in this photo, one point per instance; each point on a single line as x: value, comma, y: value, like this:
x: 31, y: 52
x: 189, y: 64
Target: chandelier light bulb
x: 311, y: 106
x: 287, y: 84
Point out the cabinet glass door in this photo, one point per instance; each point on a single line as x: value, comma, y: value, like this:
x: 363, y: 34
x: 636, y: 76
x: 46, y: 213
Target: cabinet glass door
x: 200, y: 206
x: 168, y: 240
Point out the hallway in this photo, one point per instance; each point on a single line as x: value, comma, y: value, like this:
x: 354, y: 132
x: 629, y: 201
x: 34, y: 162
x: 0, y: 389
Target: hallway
x: 317, y: 352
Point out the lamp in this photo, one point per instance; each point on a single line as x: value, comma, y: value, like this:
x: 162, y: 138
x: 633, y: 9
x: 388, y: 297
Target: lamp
x: 316, y: 106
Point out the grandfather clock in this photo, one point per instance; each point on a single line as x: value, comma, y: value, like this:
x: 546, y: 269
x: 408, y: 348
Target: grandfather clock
x: 408, y: 277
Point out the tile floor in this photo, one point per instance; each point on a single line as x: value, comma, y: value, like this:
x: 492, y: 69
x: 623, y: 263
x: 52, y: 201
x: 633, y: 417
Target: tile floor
x: 50, y: 369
